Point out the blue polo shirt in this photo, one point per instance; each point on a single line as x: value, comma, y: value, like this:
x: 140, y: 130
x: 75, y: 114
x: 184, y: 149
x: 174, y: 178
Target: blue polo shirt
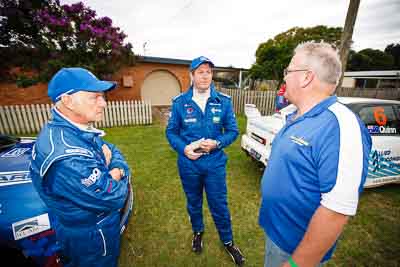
x: 321, y: 158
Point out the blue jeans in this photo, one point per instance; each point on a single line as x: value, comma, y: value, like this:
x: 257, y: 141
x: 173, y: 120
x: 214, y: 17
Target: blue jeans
x: 274, y: 256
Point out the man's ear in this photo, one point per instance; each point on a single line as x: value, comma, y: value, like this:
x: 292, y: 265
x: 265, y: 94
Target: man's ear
x: 66, y: 100
x: 309, y: 76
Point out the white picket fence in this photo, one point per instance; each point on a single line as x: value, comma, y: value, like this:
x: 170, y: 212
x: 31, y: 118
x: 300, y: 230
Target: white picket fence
x: 22, y: 119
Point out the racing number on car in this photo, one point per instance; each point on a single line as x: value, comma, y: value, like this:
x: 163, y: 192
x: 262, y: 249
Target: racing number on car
x: 379, y: 115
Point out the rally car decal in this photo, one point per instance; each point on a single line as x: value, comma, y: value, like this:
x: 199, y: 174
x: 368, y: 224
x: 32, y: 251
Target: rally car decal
x: 31, y: 226
x: 15, y: 153
x: 11, y: 178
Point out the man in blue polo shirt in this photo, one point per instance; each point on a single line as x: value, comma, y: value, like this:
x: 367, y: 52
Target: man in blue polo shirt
x: 317, y: 167
x: 202, y: 123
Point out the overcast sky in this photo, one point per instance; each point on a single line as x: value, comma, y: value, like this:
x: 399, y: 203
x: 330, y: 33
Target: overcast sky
x: 229, y: 31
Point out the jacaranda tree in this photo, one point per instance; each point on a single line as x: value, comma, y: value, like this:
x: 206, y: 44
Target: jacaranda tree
x: 77, y: 37
x: 43, y: 36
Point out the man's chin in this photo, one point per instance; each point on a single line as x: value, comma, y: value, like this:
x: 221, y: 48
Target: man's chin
x: 99, y: 117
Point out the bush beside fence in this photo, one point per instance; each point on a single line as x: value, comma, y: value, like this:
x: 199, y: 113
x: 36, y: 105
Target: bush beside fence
x: 23, y: 119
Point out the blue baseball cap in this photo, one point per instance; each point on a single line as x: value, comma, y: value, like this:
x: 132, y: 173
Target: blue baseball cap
x: 72, y: 80
x: 198, y: 61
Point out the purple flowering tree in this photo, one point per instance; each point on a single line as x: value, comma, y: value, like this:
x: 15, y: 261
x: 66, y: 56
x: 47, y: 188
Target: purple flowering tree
x: 75, y: 36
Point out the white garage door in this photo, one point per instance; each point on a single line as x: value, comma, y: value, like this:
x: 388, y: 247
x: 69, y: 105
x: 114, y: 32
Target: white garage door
x: 160, y: 87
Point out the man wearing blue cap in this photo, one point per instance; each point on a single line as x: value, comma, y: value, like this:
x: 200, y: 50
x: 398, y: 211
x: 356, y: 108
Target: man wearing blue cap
x: 82, y: 179
x: 202, y: 123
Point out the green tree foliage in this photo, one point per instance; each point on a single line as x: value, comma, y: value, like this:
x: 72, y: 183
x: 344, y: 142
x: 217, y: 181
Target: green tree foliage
x: 370, y: 59
x: 16, y: 22
x: 275, y: 54
x: 19, y: 35
x: 69, y: 35
x: 394, y: 50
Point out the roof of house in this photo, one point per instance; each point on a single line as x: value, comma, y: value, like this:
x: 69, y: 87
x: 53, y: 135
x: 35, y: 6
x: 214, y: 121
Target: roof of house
x: 375, y: 74
x: 176, y: 61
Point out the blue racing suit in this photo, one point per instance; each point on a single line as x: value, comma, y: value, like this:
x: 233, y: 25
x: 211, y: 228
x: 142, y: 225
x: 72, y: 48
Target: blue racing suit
x: 188, y: 123
x: 69, y: 171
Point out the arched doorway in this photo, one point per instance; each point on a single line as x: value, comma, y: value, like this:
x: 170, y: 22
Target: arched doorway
x: 160, y: 87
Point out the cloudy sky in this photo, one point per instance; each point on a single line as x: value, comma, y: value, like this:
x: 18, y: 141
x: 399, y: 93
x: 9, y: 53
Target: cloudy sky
x: 229, y: 31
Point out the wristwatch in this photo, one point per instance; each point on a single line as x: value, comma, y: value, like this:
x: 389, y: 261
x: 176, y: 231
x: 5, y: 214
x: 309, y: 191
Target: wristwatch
x: 218, y: 144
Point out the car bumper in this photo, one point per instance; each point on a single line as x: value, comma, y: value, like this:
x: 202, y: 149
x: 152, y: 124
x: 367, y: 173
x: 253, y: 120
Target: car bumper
x: 256, y: 150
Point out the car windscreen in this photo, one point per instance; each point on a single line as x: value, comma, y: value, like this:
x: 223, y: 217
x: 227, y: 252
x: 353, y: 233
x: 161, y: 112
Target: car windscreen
x: 7, y: 141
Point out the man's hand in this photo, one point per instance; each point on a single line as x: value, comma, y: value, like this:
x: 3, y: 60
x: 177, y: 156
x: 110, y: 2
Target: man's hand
x: 322, y: 232
x: 190, y: 153
x: 107, y: 154
x: 208, y: 145
x: 116, y: 174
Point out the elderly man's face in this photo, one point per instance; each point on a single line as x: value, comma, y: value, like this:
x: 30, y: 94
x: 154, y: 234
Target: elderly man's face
x: 294, y: 77
x: 89, y: 106
x: 202, y: 77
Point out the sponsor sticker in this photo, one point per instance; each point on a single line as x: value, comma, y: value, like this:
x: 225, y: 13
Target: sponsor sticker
x: 190, y: 120
x: 31, y: 226
x: 76, y: 150
x: 189, y: 110
x: 15, y: 153
x: 215, y: 110
x: 8, y: 178
x: 299, y: 140
x: 93, y: 177
x: 375, y: 129
x: 379, y: 115
x: 216, y: 119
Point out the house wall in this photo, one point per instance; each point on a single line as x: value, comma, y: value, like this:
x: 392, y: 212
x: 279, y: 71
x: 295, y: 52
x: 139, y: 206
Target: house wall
x: 349, y: 82
x: 10, y: 94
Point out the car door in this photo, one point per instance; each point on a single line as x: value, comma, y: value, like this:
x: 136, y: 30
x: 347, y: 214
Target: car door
x: 383, y: 123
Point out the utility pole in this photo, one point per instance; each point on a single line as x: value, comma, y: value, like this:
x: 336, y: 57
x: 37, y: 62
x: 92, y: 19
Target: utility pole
x: 347, y: 35
x: 144, y: 48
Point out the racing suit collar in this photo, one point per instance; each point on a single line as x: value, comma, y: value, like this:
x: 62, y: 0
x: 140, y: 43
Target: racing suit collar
x: 59, y: 118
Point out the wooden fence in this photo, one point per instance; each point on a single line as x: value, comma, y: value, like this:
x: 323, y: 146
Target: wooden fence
x: 22, y: 119
x: 386, y: 93
x: 265, y: 100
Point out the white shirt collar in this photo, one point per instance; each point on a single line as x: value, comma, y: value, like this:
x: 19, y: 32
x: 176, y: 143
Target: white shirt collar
x: 197, y: 94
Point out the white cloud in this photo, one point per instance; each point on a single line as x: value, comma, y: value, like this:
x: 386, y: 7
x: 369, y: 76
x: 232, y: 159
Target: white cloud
x: 229, y: 32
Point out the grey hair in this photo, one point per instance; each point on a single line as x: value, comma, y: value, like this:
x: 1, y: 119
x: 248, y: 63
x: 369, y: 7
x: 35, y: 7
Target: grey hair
x: 323, y: 59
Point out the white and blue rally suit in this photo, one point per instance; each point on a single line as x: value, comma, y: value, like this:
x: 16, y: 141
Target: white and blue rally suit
x: 69, y: 171
x: 188, y: 123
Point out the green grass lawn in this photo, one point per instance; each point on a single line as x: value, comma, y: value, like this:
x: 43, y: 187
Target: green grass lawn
x: 159, y: 232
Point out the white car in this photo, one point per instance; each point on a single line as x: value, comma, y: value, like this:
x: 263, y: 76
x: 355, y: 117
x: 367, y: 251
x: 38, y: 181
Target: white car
x: 381, y: 117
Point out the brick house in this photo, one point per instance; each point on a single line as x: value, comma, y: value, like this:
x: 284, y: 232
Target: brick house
x: 153, y: 79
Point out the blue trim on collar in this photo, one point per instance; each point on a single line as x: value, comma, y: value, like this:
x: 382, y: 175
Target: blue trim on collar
x: 321, y: 106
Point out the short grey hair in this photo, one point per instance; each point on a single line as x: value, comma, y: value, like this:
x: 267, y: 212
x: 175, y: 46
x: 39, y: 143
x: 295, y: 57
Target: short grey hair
x: 323, y: 59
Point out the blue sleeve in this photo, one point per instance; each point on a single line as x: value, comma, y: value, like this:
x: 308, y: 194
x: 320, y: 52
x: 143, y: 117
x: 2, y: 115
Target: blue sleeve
x: 87, y: 184
x: 118, y: 160
x: 173, y: 130
x: 231, y: 130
